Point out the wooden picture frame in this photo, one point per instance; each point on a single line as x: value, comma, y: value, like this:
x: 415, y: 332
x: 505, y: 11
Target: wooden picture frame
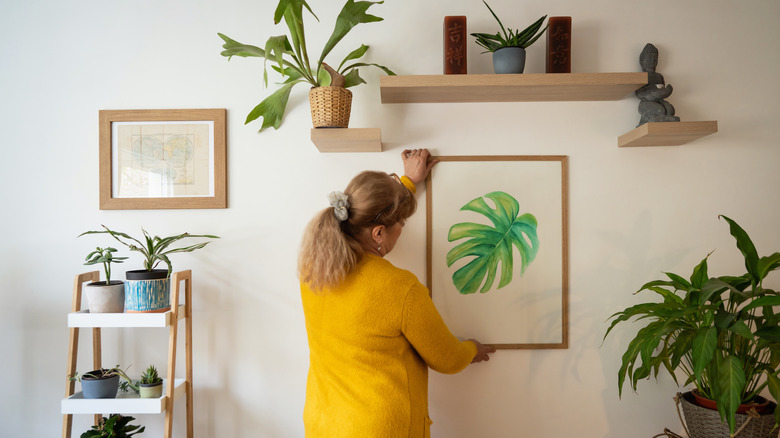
x: 162, y: 159
x: 530, y: 311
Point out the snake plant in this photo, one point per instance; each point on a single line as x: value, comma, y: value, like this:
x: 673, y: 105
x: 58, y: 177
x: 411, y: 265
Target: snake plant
x: 509, y: 37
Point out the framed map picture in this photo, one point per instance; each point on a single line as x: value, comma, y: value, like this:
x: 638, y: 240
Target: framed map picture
x: 159, y: 159
x: 497, y: 248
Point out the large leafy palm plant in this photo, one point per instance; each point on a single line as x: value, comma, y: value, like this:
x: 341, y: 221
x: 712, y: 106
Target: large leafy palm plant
x: 292, y: 59
x: 722, y: 332
x: 491, y: 245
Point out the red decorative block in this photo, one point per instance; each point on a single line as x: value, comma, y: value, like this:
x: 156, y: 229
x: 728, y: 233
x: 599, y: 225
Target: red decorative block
x: 559, y: 45
x: 455, y: 45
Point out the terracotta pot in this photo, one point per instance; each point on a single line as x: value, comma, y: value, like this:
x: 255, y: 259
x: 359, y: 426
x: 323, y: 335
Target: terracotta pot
x: 760, y: 403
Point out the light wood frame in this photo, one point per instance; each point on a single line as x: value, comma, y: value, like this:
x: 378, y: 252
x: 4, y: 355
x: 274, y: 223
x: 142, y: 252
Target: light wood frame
x: 430, y: 190
x: 219, y: 161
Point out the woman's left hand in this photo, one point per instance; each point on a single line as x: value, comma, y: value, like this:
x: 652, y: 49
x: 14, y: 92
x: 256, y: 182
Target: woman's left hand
x: 417, y: 164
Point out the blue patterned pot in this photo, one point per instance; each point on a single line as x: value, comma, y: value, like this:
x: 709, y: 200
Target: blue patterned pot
x: 147, y: 291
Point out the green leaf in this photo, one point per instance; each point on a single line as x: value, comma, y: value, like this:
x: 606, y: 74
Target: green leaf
x: 355, y: 54
x: 731, y: 383
x: 768, y: 264
x: 703, y: 349
x: 353, y: 78
x: 352, y: 14
x: 747, y: 248
x: 492, y: 245
x: 678, y: 282
x: 234, y: 48
x: 699, y: 275
x: 272, y: 108
x: 741, y: 329
x: 275, y: 48
x: 296, y: 5
x: 773, y: 300
x: 774, y: 388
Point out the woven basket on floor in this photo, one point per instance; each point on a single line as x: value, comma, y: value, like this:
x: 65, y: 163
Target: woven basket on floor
x: 705, y: 423
x: 330, y: 107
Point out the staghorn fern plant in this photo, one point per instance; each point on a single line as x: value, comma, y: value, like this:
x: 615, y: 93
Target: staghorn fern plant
x: 292, y: 59
x: 491, y: 245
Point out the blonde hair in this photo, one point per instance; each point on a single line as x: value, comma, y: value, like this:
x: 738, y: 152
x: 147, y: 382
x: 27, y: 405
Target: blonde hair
x: 330, y: 249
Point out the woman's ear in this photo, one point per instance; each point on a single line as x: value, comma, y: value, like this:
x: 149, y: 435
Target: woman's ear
x: 378, y: 234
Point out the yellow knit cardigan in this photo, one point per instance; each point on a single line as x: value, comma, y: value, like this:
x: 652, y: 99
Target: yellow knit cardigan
x: 371, y: 341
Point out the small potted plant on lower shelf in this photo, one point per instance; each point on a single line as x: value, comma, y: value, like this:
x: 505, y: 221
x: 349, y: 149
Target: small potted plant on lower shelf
x: 508, y: 46
x: 102, y: 383
x: 150, y: 385
x: 115, y: 426
x: 105, y: 296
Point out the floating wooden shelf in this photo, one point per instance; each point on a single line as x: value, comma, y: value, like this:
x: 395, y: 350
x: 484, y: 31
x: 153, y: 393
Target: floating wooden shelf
x: 667, y: 133
x: 347, y: 139
x: 509, y: 87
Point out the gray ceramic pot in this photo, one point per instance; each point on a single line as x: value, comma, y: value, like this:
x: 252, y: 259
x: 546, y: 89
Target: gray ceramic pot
x: 509, y: 60
x: 106, y: 299
x: 106, y: 387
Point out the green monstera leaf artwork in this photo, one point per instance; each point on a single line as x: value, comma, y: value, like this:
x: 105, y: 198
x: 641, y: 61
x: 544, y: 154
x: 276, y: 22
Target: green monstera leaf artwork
x: 491, y: 245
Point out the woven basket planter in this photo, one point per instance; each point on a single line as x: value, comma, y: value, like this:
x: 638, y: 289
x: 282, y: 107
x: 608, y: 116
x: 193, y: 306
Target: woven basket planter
x: 705, y: 423
x: 330, y: 107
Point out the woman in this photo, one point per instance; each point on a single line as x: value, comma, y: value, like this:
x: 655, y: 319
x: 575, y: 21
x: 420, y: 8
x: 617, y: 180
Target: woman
x: 373, y: 330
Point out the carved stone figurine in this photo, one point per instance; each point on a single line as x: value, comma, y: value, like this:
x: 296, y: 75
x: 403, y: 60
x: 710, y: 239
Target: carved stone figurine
x: 652, y: 106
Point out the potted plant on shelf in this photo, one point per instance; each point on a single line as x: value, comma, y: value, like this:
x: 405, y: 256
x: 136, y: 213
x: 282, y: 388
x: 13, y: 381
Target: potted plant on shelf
x: 103, y: 383
x: 150, y: 385
x: 329, y: 98
x: 105, y: 296
x: 115, y: 426
x: 148, y: 289
x: 722, y: 333
x: 508, y: 46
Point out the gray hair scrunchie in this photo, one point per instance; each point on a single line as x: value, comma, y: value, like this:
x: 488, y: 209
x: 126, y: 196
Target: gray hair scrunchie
x: 338, y: 201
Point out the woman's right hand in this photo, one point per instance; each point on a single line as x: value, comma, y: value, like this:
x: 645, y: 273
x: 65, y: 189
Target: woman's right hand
x: 482, y: 351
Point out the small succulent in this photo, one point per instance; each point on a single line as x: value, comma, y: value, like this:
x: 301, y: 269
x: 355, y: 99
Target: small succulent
x: 150, y: 376
x: 509, y: 38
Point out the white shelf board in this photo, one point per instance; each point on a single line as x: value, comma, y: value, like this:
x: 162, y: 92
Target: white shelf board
x: 85, y: 319
x: 124, y: 403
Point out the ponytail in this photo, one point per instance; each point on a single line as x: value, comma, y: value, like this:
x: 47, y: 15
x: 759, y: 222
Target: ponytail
x: 331, y: 248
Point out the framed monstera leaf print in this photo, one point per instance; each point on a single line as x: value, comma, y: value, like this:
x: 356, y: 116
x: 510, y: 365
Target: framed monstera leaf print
x: 497, y: 248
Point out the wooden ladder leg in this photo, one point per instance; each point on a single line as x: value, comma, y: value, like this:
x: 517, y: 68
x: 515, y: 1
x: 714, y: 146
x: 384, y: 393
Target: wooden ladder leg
x: 188, y: 351
x: 97, y: 355
x: 172, y: 338
x: 73, y: 346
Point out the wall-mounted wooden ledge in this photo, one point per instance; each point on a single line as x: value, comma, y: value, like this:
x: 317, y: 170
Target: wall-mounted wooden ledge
x: 667, y: 133
x: 540, y: 87
x: 347, y: 139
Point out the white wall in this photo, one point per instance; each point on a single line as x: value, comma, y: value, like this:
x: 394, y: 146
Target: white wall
x: 633, y: 212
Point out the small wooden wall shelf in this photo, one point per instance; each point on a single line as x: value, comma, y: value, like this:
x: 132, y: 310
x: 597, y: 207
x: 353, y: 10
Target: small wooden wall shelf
x: 667, y: 133
x: 540, y: 87
x: 347, y: 139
